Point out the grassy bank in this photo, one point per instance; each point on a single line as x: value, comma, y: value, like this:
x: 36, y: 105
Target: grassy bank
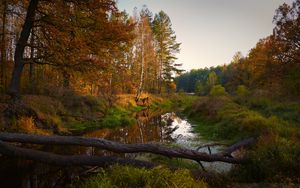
x: 275, y: 158
x: 73, y: 114
x: 160, y: 177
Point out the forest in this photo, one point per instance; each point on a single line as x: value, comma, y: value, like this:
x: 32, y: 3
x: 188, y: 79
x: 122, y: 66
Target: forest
x: 91, y: 96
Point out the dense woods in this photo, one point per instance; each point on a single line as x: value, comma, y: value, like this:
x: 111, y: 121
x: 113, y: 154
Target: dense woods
x: 271, y: 68
x: 47, y: 48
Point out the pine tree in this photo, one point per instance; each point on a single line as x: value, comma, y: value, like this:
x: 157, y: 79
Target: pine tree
x: 167, y: 47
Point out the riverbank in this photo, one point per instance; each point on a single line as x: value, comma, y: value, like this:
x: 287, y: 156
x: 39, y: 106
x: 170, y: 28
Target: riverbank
x: 49, y: 115
x: 73, y: 114
x: 275, y: 158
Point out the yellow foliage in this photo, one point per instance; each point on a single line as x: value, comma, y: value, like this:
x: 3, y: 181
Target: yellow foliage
x: 26, y: 124
x: 129, y: 99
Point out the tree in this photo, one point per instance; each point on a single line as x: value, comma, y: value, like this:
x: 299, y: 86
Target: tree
x: 238, y: 56
x: 20, y: 47
x: 167, y: 47
x: 3, y: 44
x: 287, y: 32
x: 62, y: 33
x: 199, y: 87
x: 217, y: 90
x: 145, y: 53
x: 212, y: 79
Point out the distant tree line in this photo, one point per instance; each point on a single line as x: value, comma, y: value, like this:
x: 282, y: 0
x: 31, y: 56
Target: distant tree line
x: 271, y: 68
x: 89, y: 47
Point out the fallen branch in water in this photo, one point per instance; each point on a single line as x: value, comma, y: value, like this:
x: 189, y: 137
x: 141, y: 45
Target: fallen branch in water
x: 224, y: 156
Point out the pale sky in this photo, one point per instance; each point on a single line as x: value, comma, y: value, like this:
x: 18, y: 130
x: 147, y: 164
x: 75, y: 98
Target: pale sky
x: 212, y: 31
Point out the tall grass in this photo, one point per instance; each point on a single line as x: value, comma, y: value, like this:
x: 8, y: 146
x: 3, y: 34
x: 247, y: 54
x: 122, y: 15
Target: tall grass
x: 130, y: 177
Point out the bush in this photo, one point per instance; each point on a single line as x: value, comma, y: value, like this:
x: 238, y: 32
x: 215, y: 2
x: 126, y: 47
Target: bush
x: 275, y: 159
x: 242, y: 91
x: 217, y: 90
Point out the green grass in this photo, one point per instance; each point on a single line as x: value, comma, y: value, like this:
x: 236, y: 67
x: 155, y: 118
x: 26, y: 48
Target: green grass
x: 117, y: 117
x: 77, y: 127
x: 114, y: 117
x: 130, y: 177
x: 166, y: 104
x: 286, y: 110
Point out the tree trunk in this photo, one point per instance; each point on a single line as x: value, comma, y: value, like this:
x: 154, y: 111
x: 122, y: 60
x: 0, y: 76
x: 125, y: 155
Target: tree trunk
x: 66, y: 79
x: 140, y: 89
x: 14, y: 89
x: 224, y: 156
x: 63, y: 160
x: 3, y: 47
x: 31, y: 65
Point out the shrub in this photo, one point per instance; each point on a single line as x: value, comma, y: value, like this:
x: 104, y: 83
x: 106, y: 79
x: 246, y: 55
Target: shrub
x: 242, y: 91
x: 217, y: 90
x: 26, y: 124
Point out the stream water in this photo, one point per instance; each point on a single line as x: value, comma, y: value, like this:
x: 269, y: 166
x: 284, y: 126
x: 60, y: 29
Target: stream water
x: 149, y: 128
x: 162, y: 128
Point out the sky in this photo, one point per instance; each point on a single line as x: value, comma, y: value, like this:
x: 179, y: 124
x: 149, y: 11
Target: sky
x: 212, y: 31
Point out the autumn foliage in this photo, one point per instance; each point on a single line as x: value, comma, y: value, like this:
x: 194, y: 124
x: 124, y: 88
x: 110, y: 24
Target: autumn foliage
x: 87, y: 47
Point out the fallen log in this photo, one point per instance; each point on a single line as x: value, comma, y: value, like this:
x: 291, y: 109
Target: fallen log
x: 65, y: 160
x: 243, y: 143
x: 85, y: 160
x: 126, y: 148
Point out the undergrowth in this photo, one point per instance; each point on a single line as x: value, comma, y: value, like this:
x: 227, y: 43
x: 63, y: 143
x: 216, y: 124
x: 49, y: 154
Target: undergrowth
x: 130, y: 177
x: 275, y: 158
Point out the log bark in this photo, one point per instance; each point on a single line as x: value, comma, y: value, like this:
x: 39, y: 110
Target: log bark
x: 239, y: 145
x: 128, y: 148
x: 64, y: 160
x: 85, y: 160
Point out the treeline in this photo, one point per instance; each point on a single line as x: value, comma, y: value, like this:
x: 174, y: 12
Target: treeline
x: 272, y: 67
x: 89, y: 47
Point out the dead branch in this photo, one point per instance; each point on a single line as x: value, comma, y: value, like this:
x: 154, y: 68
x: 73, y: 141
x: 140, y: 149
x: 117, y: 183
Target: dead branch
x: 64, y: 160
x: 238, y: 145
x: 224, y: 156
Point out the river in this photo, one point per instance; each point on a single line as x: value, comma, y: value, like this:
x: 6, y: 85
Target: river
x: 164, y: 128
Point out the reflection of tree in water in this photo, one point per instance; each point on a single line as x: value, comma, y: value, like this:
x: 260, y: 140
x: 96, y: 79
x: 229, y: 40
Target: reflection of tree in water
x: 148, y: 128
x: 166, y: 126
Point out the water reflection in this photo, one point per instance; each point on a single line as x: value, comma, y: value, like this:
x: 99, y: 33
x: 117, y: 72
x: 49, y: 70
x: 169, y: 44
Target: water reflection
x: 159, y: 128
x: 166, y: 128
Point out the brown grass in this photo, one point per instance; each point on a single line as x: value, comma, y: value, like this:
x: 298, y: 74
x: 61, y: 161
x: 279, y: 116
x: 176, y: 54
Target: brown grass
x: 129, y: 99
